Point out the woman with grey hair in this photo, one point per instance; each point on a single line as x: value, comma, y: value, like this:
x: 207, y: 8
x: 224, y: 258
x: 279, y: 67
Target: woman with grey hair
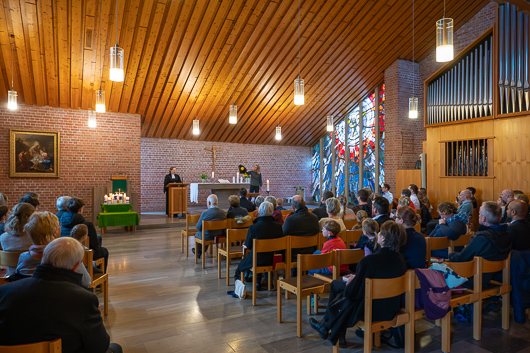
x: 3, y: 199
x: 277, y: 214
x: 257, y: 202
x: 333, y: 209
x: 264, y: 227
x: 61, y: 205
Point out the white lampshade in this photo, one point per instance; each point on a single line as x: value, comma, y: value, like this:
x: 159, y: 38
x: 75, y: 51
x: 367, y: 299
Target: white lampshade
x: 233, y: 114
x: 100, y: 101
x: 299, y: 91
x: 278, y: 133
x: 329, y: 126
x: 444, y: 40
x: 413, y: 107
x: 12, y: 100
x: 195, y: 130
x: 116, y: 72
x: 92, y: 119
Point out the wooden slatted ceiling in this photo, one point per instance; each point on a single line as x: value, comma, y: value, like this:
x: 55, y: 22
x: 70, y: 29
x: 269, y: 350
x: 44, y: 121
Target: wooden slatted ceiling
x: 178, y: 59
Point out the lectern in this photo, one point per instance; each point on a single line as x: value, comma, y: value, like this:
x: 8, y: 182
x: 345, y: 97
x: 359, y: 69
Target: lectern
x: 178, y: 198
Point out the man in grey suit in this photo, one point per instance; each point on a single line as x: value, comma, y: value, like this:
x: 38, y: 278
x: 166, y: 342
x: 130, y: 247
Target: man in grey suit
x: 213, y: 213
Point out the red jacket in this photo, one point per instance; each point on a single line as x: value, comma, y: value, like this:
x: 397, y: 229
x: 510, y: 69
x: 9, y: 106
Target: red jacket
x: 331, y: 244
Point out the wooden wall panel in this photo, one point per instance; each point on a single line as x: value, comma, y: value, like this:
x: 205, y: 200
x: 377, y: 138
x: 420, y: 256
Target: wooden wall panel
x: 404, y: 178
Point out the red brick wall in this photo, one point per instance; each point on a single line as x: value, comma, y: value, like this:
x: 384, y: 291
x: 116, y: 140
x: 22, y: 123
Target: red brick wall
x: 88, y: 157
x: 284, y: 166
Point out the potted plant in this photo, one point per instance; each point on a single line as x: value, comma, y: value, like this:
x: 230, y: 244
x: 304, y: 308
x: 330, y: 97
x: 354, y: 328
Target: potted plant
x: 203, y: 176
x: 300, y: 190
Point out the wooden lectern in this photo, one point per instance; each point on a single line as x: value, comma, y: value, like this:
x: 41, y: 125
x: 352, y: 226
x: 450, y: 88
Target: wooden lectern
x: 178, y: 198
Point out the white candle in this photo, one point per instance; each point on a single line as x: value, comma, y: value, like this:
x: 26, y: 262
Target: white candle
x: 237, y: 177
x: 127, y: 199
x: 233, y: 180
x: 267, y: 184
x: 213, y: 174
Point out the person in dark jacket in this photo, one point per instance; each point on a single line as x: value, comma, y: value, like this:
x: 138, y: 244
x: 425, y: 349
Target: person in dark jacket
x: 322, y: 211
x: 33, y: 201
x: 235, y: 210
x: 491, y: 241
x: 362, y: 199
x: 52, y: 304
x: 172, y: 177
x: 3, y: 216
x: 301, y: 223
x: 244, y: 202
x: 415, y: 248
x: 384, y: 263
x: 380, y: 209
x: 519, y: 228
x: 61, y: 205
x: 264, y: 227
x: 255, y: 179
x: 277, y: 214
x: 451, y: 224
x: 213, y: 213
x: 507, y: 196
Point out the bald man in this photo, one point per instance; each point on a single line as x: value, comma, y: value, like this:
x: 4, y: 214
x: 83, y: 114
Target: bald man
x: 507, y: 196
x: 519, y: 228
x: 466, y: 205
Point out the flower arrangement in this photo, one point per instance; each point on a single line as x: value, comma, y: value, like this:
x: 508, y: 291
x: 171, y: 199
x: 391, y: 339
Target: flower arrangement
x: 299, y: 188
x: 203, y: 176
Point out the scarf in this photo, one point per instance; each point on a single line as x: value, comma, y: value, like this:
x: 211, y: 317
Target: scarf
x: 458, y: 216
x: 36, y: 251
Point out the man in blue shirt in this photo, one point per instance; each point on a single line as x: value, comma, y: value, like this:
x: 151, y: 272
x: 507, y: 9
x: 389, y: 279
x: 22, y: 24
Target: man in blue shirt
x: 466, y: 205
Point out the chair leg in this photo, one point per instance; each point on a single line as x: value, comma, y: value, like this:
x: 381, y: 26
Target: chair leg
x: 336, y: 347
x: 228, y: 270
x: 219, y: 265
x: 477, y: 320
x: 106, y: 296
x: 308, y: 304
x: 377, y: 339
x: 506, y: 311
x: 187, y: 245
x: 279, y: 303
x: 315, y: 304
x: 181, y: 241
x: 203, y: 254
x: 269, y: 280
x: 196, y: 249
x: 299, y: 315
x: 254, y: 291
x: 446, y: 333
x: 368, y: 339
x: 409, y: 336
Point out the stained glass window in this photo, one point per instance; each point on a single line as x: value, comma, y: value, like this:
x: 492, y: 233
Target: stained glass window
x: 315, y: 173
x: 382, y: 134
x: 326, y: 163
x: 339, y: 151
x: 369, y: 163
x: 353, y: 146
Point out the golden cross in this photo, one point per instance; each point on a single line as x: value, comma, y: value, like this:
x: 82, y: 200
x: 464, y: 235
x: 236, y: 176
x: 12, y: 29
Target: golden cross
x: 214, y: 150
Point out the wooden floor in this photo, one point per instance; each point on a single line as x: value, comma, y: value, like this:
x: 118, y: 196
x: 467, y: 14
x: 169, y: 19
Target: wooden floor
x: 160, y: 301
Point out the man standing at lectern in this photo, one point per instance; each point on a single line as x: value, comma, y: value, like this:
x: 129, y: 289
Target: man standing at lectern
x: 172, y: 177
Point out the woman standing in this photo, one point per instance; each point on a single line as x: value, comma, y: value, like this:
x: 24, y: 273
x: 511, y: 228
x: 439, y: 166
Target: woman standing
x: 255, y: 179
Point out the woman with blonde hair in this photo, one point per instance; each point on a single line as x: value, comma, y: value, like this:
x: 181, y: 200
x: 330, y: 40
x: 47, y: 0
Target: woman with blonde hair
x: 345, y: 213
x: 15, y: 238
x: 255, y: 179
x: 403, y: 201
x: 368, y: 241
x: 415, y: 247
x: 333, y: 209
x: 361, y: 216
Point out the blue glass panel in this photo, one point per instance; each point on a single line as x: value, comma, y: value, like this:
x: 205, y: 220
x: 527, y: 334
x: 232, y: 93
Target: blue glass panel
x: 315, y: 173
x: 326, y: 163
x: 369, y: 162
x: 353, y: 147
x: 382, y: 134
x: 339, y: 150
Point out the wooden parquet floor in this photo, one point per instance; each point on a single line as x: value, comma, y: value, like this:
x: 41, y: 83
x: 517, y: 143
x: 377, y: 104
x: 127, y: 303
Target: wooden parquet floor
x: 160, y: 301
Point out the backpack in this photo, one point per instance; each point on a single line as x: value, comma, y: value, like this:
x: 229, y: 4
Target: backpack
x: 435, y: 293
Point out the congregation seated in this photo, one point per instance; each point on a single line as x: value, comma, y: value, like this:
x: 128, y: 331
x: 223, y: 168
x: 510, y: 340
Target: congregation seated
x: 213, y: 213
x: 61, y: 206
x: 507, y: 196
x: 4, y: 210
x: 407, y: 193
x: 491, y: 241
x: 33, y: 201
x: 519, y: 228
x: 451, y: 224
x: 386, y: 193
x: 258, y: 201
x: 235, y: 210
x: 276, y: 214
x: 321, y: 211
x: 360, y: 216
x: 526, y: 200
x: 279, y: 203
x: 264, y: 227
x: 3, y: 199
x: 51, y: 304
x: 301, y: 223
x: 330, y: 230
x: 466, y: 205
x: 345, y: 213
x: 333, y: 209
x: 387, y: 262
x: 381, y: 210
x: 244, y: 202
x: 368, y: 240
x: 425, y: 214
x: 14, y: 237
x: 403, y: 201
x: 415, y: 247
x: 413, y: 188
x: 43, y: 228
x: 362, y: 199
x: 425, y: 201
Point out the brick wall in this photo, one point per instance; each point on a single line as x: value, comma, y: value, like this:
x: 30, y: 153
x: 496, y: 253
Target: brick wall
x: 88, y: 157
x: 284, y: 166
x: 404, y: 137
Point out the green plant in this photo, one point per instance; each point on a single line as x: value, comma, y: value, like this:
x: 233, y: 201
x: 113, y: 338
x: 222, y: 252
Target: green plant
x: 299, y: 187
x: 203, y: 176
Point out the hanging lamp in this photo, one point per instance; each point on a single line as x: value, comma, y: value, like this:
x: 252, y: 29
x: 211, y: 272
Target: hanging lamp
x: 329, y: 125
x: 92, y: 119
x: 278, y: 133
x: 100, y: 94
x: 413, y: 101
x: 195, y: 129
x: 232, y: 119
x: 116, y: 72
x: 12, y: 94
x: 298, y: 82
x: 444, y: 39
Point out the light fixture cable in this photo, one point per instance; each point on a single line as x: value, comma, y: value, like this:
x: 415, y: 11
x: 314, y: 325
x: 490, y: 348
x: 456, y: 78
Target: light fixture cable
x: 414, y: 53
x: 299, y: 24
x: 12, y: 63
x: 233, y: 88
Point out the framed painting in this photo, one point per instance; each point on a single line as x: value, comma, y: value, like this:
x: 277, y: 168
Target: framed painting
x: 34, y: 154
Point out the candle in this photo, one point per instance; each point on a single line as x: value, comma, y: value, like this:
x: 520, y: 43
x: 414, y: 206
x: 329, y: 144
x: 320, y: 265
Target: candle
x: 106, y: 198
x: 127, y: 199
x: 267, y: 184
x: 233, y: 180
x: 237, y: 177
x: 213, y: 174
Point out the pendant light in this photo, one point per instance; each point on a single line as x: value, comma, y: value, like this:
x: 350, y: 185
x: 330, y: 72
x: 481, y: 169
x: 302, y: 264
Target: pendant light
x: 232, y: 119
x: 92, y: 119
x: 329, y: 126
x: 116, y: 72
x: 278, y: 135
x: 195, y: 130
x: 413, y: 101
x: 12, y: 94
x: 100, y: 95
x: 298, y: 82
x: 444, y: 39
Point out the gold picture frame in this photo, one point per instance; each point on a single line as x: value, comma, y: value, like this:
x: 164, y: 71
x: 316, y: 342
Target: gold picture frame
x: 34, y: 153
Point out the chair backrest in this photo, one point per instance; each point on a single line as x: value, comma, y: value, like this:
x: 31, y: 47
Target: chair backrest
x: 344, y: 236
x: 378, y: 288
x: 462, y: 240
x: 435, y: 243
x: 9, y: 258
x: 88, y: 257
x: 234, y: 225
x: 495, y: 266
x: 3, y: 280
x: 191, y: 219
x: 353, y: 235
x: 350, y: 223
x: 417, y: 227
x: 270, y: 245
x: 321, y: 240
x: 215, y: 225
x: 308, y: 262
x: 298, y: 242
x: 285, y: 213
x: 347, y: 256
x: 54, y: 346
x: 235, y: 235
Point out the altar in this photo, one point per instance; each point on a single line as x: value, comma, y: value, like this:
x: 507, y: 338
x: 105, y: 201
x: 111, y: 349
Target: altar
x: 222, y: 190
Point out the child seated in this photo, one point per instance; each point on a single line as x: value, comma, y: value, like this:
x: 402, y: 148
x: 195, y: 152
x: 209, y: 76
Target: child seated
x: 279, y: 203
x: 330, y: 230
x: 80, y: 233
x: 368, y: 241
x: 361, y: 216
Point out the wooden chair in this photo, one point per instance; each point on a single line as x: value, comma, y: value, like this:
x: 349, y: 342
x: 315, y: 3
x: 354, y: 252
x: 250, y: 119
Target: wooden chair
x: 285, y: 213
x: 234, y: 225
x: 322, y: 239
x: 208, y: 225
x: 462, y: 240
x: 98, y: 278
x: 305, y: 285
x: 230, y: 251
x: 298, y: 242
x: 464, y: 269
x: 497, y: 288
x: 54, y: 346
x: 267, y: 245
x: 350, y: 223
x: 435, y: 243
x: 9, y: 258
x: 353, y: 236
x: 188, y: 232
x: 382, y: 289
x: 3, y: 280
x: 417, y: 227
